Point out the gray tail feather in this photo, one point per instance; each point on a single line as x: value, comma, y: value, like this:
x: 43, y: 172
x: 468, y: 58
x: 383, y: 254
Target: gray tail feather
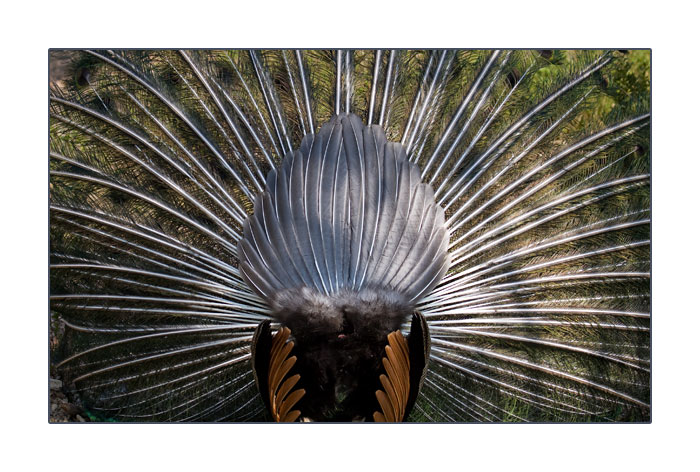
x: 345, y: 212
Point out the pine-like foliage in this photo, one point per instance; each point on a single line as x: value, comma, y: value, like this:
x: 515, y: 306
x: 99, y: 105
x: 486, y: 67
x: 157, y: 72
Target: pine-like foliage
x: 156, y: 158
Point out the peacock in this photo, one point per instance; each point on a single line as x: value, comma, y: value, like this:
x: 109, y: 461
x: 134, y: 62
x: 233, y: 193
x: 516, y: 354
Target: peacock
x: 350, y: 235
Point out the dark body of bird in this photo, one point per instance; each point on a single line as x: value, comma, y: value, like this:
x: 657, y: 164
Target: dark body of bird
x: 469, y: 197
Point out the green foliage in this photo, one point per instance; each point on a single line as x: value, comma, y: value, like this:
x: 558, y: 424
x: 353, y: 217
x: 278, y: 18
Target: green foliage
x: 629, y: 79
x: 624, y: 85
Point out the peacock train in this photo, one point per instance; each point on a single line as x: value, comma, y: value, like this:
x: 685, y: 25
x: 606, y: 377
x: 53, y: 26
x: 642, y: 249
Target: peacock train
x: 351, y: 235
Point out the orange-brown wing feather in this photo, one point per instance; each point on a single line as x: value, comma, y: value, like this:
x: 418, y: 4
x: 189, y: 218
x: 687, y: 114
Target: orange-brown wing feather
x: 282, y: 398
x: 396, y: 382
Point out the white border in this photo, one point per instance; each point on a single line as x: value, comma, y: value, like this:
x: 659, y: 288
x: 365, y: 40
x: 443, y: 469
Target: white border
x: 31, y: 443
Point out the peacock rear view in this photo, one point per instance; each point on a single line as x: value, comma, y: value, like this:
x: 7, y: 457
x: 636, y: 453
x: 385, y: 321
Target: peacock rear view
x: 368, y: 235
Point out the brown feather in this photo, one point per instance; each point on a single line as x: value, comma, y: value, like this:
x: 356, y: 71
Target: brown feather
x: 281, y: 400
x: 276, y: 358
x: 287, y: 385
x: 279, y: 372
x: 399, y: 345
x: 396, y: 382
x: 291, y: 417
x: 387, y: 409
x: 289, y: 402
x: 396, y: 371
x: 391, y: 393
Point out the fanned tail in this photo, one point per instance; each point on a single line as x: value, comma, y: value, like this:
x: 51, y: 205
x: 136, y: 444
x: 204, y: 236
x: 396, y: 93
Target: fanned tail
x: 158, y: 158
